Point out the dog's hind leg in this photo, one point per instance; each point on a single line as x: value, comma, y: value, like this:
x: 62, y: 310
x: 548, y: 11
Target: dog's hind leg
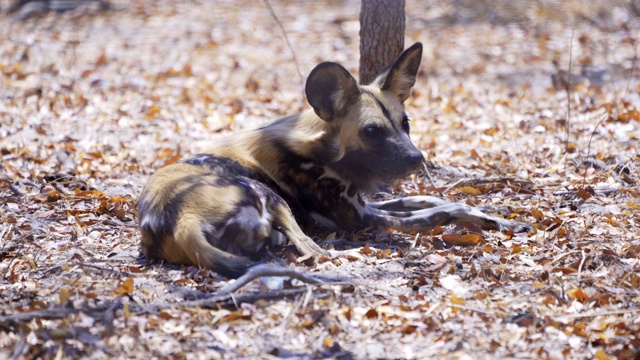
x: 284, y: 219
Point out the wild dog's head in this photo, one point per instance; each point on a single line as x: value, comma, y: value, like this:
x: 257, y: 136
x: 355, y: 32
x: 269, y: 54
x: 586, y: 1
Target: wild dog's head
x: 371, y: 127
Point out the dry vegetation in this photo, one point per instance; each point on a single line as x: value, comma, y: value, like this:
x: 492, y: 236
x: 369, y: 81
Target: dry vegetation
x: 93, y: 102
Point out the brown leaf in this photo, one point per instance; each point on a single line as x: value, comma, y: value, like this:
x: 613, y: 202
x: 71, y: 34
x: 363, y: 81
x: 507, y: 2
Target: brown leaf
x: 578, y: 294
x: 583, y: 194
x: 601, y: 355
x: 126, y: 287
x: 456, y: 300
x: 63, y: 296
x: 409, y: 329
x: 372, y: 313
x: 469, y: 190
x: 537, y: 214
x: 461, y: 240
x: 366, y: 250
x: 154, y: 110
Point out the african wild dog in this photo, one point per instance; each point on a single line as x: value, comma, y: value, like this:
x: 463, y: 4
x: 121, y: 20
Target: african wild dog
x: 213, y: 209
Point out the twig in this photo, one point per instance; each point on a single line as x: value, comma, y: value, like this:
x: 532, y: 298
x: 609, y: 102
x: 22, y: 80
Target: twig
x: 15, y: 190
x: 56, y: 186
x: 218, y: 299
x: 581, y: 264
x: 15, y: 256
x: 119, y: 272
x: 602, y: 313
x: 584, y: 178
x: 454, y: 185
x: 597, y: 191
x: 5, y: 230
x: 109, y: 314
x: 475, y: 310
x: 53, y: 313
x: 568, y: 90
x: 426, y: 171
x: 17, y: 351
x: 286, y: 39
x: 433, y: 308
x: 559, y: 257
x: 263, y: 270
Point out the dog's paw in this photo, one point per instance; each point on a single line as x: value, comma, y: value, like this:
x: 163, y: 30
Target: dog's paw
x: 515, y: 226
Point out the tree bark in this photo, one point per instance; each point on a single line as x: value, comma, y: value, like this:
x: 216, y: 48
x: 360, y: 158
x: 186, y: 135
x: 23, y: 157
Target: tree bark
x: 381, y: 36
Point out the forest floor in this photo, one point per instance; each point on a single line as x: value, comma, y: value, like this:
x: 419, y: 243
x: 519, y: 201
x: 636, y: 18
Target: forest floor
x: 93, y: 102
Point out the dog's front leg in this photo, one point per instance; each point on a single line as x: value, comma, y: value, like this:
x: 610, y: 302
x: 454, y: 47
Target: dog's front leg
x: 448, y: 213
x: 425, y: 202
x: 409, y: 203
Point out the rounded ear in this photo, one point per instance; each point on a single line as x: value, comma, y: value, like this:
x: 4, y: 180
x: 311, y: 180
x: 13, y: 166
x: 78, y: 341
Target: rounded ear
x: 401, y: 76
x: 330, y: 90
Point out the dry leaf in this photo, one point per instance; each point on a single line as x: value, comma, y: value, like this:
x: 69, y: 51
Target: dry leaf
x: 461, y: 240
x: 469, y: 190
x: 537, y: 214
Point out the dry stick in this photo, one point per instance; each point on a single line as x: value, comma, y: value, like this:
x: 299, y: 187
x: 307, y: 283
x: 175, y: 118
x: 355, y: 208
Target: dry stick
x: 55, y: 313
x: 286, y: 39
x: 263, y: 270
x: 581, y: 264
x: 584, y: 178
x: 212, y: 301
x: 568, y: 89
x: 602, y: 313
x: 17, y: 350
x: 16, y: 190
x: 597, y: 191
x: 426, y: 170
x: 15, y: 256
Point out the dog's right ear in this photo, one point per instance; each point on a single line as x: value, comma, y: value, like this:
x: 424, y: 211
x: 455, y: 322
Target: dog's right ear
x: 330, y: 90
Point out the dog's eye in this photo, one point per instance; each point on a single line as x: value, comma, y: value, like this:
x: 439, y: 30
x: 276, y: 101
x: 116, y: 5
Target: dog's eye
x: 373, y: 131
x: 405, y: 123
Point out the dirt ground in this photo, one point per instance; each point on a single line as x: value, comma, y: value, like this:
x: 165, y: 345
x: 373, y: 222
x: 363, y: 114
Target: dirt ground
x: 92, y: 102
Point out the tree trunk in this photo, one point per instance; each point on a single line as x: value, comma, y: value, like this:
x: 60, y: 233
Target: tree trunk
x: 381, y: 36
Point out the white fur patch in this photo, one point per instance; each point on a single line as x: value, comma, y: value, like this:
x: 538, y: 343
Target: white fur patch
x: 307, y: 166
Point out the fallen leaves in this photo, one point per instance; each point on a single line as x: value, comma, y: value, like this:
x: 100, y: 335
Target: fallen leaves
x: 461, y: 240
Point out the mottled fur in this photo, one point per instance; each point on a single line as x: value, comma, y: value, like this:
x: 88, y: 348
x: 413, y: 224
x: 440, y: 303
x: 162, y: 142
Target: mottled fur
x: 216, y: 208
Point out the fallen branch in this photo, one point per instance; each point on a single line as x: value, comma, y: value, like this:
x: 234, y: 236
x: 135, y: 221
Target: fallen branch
x: 595, y: 163
x: 263, y: 270
x: 229, y: 299
x: 605, y: 191
x: 49, y: 314
x: 16, y: 190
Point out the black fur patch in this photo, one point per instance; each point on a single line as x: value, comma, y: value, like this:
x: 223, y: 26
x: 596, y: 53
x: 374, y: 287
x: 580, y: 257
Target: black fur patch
x: 224, y: 166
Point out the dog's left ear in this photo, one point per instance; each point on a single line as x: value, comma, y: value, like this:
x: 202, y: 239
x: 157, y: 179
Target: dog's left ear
x: 401, y: 76
x: 330, y: 90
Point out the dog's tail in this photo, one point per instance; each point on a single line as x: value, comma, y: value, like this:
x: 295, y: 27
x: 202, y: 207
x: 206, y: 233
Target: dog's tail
x: 190, y: 239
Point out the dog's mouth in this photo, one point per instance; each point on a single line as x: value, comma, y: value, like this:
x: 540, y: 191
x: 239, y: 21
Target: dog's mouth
x: 395, y: 170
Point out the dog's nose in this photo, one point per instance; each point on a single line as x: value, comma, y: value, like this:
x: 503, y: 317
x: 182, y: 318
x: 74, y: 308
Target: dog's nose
x: 414, y: 158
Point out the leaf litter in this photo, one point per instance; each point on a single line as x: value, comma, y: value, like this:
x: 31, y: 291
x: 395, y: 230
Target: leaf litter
x: 95, y: 102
